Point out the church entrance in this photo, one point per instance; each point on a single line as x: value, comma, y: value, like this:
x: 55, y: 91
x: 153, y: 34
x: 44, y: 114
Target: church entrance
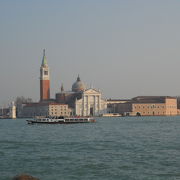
x: 91, y: 111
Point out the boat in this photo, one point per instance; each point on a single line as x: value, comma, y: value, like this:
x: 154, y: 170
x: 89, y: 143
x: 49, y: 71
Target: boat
x: 60, y: 120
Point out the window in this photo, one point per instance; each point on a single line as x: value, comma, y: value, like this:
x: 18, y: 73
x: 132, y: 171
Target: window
x: 46, y: 73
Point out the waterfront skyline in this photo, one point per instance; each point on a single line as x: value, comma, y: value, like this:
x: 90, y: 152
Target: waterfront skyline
x: 124, y: 48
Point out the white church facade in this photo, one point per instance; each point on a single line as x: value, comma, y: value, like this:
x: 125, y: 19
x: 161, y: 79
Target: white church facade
x: 91, y: 103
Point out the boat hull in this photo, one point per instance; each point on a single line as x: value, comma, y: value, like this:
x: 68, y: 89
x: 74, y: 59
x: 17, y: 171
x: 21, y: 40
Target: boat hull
x: 61, y: 121
x: 35, y: 122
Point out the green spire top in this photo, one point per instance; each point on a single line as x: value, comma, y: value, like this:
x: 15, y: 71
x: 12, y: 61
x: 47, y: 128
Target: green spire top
x: 44, y: 60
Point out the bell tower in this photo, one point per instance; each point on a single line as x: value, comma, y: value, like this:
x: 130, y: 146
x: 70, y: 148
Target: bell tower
x: 44, y: 79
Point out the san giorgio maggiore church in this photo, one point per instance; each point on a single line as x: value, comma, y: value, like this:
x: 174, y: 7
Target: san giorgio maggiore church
x: 80, y: 101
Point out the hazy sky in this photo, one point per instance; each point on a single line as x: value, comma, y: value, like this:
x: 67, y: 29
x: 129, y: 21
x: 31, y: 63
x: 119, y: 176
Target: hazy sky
x: 125, y: 48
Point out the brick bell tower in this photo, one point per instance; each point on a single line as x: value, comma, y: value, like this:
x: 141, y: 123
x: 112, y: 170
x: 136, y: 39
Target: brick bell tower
x: 44, y: 79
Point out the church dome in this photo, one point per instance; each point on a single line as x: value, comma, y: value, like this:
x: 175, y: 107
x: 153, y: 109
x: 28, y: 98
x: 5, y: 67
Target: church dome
x: 78, y: 85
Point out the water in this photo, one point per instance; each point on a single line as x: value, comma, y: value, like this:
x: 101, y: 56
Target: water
x: 133, y: 148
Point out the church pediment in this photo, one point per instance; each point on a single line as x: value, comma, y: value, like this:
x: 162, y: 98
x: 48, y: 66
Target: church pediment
x: 91, y: 91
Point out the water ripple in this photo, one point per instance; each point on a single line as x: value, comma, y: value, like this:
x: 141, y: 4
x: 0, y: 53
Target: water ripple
x: 118, y: 148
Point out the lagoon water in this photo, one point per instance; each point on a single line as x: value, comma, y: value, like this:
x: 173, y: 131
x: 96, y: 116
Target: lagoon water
x: 128, y: 148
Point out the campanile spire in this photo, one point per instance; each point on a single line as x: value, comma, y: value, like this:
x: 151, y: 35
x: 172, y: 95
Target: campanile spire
x: 44, y: 59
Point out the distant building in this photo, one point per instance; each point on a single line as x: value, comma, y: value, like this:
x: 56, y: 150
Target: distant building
x: 83, y: 101
x: 69, y: 97
x: 148, y: 106
x: 90, y: 104
x: 79, y: 101
x: 112, y: 104
x: 4, y: 112
x: 12, y: 111
x: 45, y: 109
x: 8, y: 112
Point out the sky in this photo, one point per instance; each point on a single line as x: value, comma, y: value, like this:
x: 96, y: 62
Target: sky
x: 125, y: 48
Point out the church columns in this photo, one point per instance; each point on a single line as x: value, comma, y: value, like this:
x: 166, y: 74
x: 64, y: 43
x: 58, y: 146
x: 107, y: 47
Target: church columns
x: 91, y: 103
x: 94, y: 97
x: 99, y: 104
x: 87, y: 106
x: 83, y: 106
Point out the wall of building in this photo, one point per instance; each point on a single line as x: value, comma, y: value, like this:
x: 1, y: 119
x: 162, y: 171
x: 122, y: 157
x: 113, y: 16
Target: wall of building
x: 171, y: 106
x: 44, y: 90
x: 123, y: 108
x: 51, y: 109
x: 32, y: 110
x: 149, y: 109
x: 4, y: 112
x: 59, y: 110
x: 167, y: 106
x: 68, y: 98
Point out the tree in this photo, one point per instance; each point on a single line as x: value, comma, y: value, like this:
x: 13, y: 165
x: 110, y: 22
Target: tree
x: 21, y: 100
x: 19, y: 103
